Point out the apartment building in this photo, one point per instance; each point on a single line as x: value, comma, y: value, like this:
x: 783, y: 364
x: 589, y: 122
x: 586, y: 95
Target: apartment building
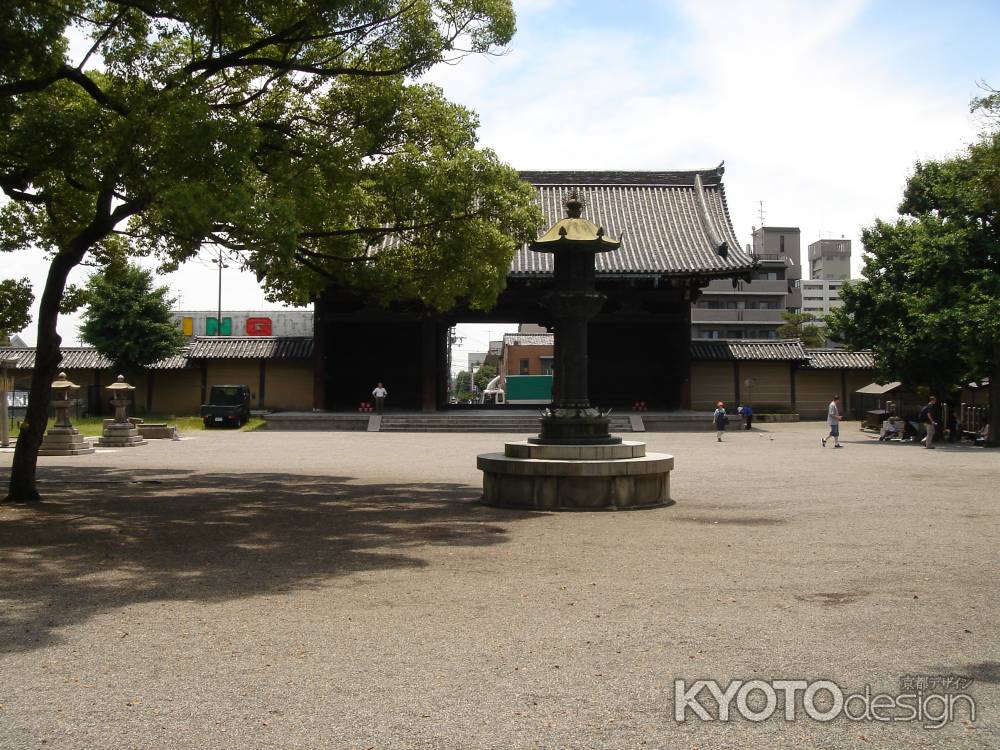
x: 753, y: 310
x: 829, y: 268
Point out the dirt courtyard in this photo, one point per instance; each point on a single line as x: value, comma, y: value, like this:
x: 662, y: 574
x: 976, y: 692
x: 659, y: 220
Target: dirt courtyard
x: 347, y: 590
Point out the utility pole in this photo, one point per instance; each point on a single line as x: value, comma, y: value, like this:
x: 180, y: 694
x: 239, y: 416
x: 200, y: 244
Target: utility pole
x: 218, y: 320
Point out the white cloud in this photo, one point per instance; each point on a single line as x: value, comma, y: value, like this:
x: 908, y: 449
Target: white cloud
x: 811, y: 106
x: 810, y: 116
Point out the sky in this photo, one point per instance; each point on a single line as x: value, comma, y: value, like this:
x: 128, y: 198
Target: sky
x: 818, y: 108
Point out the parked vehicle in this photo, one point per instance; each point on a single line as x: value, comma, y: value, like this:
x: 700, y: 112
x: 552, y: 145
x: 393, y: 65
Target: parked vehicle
x: 228, y: 406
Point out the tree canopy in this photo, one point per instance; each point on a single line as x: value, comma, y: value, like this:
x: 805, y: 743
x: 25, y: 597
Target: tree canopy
x: 483, y: 376
x: 805, y: 326
x: 127, y: 318
x: 929, y: 304
x: 15, y: 301
x: 295, y: 133
x: 462, y: 388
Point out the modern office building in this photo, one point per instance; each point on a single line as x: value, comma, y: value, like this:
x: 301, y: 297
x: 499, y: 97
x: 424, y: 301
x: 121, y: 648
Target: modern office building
x: 829, y: 268
x: 734, y: 309
x: 830, y: 259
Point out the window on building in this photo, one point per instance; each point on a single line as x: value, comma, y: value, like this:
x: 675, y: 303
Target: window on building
x: 523, y: 368
x: 734, y: 334
x: 546, y: 363
x: 781, y: 243
x: 709, y: 334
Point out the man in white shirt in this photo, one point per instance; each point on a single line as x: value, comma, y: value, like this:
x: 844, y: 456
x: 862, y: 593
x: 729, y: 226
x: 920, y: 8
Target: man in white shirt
x: 380, y: 393
x: 833, y: 417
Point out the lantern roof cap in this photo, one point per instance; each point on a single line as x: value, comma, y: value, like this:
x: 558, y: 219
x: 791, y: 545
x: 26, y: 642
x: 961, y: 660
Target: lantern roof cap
x: 575, y: 233
x: 63, y: 382
x: 120, y: 385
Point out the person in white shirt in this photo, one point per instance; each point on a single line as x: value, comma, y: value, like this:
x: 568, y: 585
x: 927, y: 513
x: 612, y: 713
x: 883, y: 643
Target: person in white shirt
x: 379, y: 393
x: 833, y: 417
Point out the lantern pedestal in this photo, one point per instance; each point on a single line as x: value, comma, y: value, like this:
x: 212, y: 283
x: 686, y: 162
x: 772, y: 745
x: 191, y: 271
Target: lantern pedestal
x: 64, y: 439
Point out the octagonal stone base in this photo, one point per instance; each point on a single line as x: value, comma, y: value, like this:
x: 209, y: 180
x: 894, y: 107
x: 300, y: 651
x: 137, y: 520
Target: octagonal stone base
x: 120, y: 435
x: 576, y: 477
x: 62, y: 441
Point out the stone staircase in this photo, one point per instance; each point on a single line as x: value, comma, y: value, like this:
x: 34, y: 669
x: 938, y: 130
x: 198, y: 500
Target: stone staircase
x: 512, y: 422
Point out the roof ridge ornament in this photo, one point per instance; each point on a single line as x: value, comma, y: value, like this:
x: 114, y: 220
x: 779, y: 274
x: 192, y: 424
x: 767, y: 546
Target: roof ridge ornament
x: 574, y: 206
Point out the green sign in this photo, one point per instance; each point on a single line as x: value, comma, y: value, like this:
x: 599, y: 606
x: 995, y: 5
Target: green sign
x: 528, y: 389
x: 212, y: 327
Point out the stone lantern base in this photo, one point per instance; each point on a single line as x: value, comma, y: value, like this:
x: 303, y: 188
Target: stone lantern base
x: 120, y: 435
x: 576, y: 477
x: 64, y: 441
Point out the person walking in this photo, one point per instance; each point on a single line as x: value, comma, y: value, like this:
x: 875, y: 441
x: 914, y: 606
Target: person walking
x: 927, y: 417
x: 720, y: 420
x: 380, y: 393
x: 833, y: 417
x: 747, y: 416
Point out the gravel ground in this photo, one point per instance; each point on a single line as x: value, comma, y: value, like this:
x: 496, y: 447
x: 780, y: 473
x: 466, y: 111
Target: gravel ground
x: 345, y: 590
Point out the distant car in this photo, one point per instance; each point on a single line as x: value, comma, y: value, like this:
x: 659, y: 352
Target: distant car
x: 228, y: 406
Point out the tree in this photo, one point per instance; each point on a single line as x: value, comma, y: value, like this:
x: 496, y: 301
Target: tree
x: 128, y: 320
x: 462, y: 390
x: 291, y: 132
x: 929, y: 305
x: 15, y: 301
x: 483, y: 376
x: 805, y: 326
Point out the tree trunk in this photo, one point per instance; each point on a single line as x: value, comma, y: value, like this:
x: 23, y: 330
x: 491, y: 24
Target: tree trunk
x: 994, y: 422
x: 47, y: 357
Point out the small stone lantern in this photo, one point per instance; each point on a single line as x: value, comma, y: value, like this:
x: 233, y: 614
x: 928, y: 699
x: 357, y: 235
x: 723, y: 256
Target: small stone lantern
x: 120, y: 432
x: 63, y: 439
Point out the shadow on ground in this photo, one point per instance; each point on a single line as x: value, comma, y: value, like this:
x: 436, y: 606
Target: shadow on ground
x: 121, y: 537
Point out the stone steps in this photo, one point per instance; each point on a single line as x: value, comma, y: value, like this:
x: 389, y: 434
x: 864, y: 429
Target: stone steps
x: 527, y: 423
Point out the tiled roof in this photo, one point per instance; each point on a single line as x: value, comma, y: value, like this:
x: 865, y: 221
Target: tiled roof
x: 73, y: 358
x: 672, y: 223
x: 230, y: 347
x: 528, y: 339
x: 251, y: 347
x: 780, y: 350
x: 839, y: 359
x: 178, y: 361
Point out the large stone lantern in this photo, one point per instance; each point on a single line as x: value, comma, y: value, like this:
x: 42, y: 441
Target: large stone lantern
x: 574, y: 463
x: 120, y: 432
x: 63, y: 439
x: 573, y: 242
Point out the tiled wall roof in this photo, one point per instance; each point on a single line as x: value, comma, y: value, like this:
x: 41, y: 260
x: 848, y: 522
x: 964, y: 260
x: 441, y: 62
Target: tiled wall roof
x: 227, y: 347
x: 777, y: 350
x: 73, y: 358
x: 251, y: 347
x: 839, y: 359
